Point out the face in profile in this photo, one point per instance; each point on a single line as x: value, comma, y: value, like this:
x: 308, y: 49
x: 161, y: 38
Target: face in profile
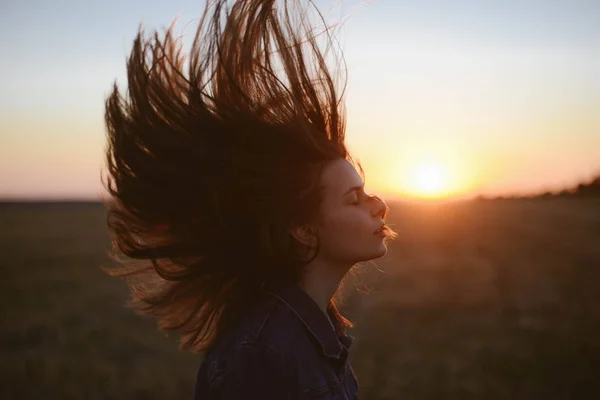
x: 349, y: 217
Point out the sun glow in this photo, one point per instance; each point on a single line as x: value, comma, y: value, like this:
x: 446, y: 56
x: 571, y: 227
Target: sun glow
x: 429, y: 174
x: 430, y: 180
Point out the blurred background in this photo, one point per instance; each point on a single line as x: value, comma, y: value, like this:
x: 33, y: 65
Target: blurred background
x: 479, y: 124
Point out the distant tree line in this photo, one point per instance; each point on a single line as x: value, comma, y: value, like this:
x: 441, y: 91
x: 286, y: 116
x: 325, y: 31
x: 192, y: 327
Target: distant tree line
x: 590, y: 189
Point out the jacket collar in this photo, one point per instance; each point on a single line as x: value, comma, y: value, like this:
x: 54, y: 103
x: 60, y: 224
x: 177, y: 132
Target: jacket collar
x: 322, y: 327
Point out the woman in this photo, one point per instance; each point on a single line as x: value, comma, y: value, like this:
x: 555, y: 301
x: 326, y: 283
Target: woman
x: 234, y: 193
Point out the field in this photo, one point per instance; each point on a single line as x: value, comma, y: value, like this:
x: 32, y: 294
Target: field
x: 475, y: 300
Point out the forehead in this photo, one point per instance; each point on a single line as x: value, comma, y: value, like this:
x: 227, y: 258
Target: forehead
x: 338, y: 177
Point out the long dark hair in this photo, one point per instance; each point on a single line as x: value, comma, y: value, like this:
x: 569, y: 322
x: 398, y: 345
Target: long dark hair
x: 209, y: 170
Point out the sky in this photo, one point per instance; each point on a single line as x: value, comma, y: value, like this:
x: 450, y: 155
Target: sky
x: 444, y: 98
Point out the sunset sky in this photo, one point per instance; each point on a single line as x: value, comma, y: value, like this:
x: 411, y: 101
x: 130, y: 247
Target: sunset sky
x: 444, y: 97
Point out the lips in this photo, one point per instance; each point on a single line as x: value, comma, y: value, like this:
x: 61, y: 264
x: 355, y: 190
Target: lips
x: 381, y: 228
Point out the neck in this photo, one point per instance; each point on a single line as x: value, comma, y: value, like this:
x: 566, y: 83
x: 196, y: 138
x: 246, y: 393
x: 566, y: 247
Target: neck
x: 321, y: 280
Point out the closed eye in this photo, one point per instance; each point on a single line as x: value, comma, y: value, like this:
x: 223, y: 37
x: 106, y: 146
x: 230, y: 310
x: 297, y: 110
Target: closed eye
x: 360, y: 193
x: 368, y: 198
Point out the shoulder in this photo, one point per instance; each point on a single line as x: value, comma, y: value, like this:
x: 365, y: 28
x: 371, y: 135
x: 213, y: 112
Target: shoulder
x: 276, y: 326
x: 249, y: 369
x: 269, y: 330
x: 272, y: 324
x: 256, y: 353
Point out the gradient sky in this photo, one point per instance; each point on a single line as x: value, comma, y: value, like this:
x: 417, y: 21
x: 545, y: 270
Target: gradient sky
x: 497, y: 96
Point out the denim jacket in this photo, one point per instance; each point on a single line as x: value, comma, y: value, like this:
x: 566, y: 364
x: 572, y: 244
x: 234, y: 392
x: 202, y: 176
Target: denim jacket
x: 285, y: 348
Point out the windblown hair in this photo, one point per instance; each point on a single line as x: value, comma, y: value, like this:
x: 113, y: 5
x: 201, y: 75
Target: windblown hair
x: 211, y: 169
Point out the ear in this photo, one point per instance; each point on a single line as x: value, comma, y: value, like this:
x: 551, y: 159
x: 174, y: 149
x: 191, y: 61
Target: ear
x: 305, y: 234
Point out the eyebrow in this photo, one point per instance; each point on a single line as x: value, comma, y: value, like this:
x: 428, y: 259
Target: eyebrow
x: 353, y: 188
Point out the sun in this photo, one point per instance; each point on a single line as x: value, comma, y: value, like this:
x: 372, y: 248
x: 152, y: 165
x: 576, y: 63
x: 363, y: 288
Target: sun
x: 429, y: 174
x: 429, y: 180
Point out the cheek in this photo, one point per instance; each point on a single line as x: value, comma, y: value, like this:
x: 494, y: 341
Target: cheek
x: 347, y: 236
x: 348, y: 228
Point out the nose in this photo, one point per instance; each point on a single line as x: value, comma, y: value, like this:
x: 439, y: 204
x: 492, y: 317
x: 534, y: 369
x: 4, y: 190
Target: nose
x: 380, y: 208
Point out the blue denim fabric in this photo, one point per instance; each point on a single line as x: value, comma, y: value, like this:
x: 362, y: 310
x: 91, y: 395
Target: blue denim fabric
x: 284, y: 348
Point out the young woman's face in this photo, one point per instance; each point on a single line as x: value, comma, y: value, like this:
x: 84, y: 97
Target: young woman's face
x: 349, y: 217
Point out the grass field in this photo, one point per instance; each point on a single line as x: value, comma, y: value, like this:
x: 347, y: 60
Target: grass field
x: 475, y: 300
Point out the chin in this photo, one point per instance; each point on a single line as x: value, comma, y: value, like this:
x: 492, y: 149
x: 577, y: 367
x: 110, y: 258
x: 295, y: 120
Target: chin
x: 380, y: 252
x: 383, y: 250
